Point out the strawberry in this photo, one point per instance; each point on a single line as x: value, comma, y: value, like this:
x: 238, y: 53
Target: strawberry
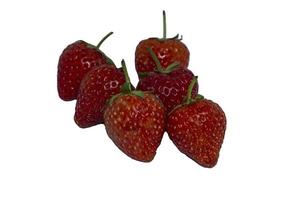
x: 135, y: 122
x: 168, y: 51
x: 170, y: 84
x: 98, y: 85
x: 197, y: 128
x: 74, y: 62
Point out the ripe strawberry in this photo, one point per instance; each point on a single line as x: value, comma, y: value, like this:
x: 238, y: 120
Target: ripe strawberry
x: 168, y: 50
x: 74, y: 62
x: 170, y: 85
x: 98, y: 85
x: 197, y: 128
x: 135, y: 121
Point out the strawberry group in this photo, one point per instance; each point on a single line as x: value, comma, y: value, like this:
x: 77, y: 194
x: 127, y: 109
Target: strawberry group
x: 166, y: 99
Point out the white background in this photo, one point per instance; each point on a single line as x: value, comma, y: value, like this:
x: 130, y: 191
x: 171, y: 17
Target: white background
x: 240, y: 51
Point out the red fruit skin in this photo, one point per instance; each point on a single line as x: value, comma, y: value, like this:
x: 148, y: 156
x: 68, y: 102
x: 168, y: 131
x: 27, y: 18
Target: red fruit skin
x: 170, y: 88
x: 98, y: 85
x: 198, y: 131
x: 74, y: 62
x: 167, y: 51
x: 136, y: 125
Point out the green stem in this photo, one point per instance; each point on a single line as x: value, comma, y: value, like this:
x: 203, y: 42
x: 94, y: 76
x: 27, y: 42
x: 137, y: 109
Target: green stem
x: 189, y: 90
x: 127, y: 85
x: 160, y: 69
x: 171, y: 67
x: 164, y: 24
x: 156, y: 60
x: 102, y: 40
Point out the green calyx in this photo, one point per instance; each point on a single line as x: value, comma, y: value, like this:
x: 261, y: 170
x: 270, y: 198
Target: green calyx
x: 143, y: 74
x: 126, y: 88
x: 160, y: 69
x: 113, y: 98
x: 189, y: 99
x: 138, y: 93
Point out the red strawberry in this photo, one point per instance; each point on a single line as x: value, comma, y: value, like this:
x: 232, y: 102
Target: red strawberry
x: 135, y: 121
x: 98, y: 85
x: 74, y: 62
x: 197, y: 128
x: 168, y: 50
x: 169, y: 86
